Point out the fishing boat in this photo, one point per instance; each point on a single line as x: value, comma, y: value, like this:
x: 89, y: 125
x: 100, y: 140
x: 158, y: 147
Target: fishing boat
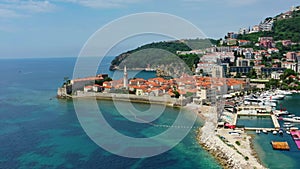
x: 288, y: 132
x: 257, y: 131
x: 274, y: 132
x: 265, y: 131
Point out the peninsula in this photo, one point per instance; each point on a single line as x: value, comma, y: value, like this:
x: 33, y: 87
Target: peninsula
x: 242, y: 75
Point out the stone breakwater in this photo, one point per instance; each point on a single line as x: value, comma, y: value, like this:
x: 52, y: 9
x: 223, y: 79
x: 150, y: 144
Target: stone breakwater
x: 230, y: 156
x: 165, y: 100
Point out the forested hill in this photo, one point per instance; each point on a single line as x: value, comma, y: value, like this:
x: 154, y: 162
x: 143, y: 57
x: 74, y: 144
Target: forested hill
x: 169, y: 46
x: 288, y: 28
x: 283, y: 29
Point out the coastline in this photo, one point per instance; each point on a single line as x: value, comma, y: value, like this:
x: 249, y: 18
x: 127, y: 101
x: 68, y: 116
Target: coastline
x: 161, y: 100
x: 228, y: 154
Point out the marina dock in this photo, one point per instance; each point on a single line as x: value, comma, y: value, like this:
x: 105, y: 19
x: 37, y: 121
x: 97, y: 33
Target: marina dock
x: 259, y: 128
x: 273, y: 117
x: 275, y: 122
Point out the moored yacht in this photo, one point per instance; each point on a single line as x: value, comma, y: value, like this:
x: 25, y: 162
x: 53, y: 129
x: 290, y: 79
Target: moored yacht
x: 277, y: 97
x: 293, y: 119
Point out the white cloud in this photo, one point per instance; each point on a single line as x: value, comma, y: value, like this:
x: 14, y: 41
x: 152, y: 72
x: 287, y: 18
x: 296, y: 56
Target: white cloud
x: 19, y: 8
x: 7, y: 13
x: 102, y: 3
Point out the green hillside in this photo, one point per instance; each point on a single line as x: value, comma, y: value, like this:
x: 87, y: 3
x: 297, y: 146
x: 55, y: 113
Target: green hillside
x: 158, y: 53
x: 288, y: 28
x: 282, y: 30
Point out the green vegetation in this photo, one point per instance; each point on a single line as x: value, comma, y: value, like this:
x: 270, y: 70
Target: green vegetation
x: 285, y: 82
x: 282, y: 30
x: 287, y: 73
x: 273, y: 84
x: 162, y: 53
x: 253, y: 37
x: 237, y: 143
x: 252, y: 74
x: 190, y: 59
x: 177, y: 95
x: 67, y: 81
x: 288, y: 28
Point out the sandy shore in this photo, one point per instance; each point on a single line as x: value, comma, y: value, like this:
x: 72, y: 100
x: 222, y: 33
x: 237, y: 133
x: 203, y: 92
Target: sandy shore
x: 231, y: 150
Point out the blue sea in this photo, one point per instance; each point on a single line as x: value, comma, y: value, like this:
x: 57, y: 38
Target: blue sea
x: 39, y: 131
x: 280, y: 159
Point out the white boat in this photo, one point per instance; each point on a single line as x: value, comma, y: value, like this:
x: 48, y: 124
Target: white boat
x: 257, y: 131
x: 293, y: 119
x: 267, y: 103
x: 279, y: 112
x: 283, y: 92
x: 288, y: 132
x: 291, y: 115
x: 280, y: 132
x: 294, y: 128
x: 277, y: 97
x: 274, y: 132
x: 252, y: 101
x: 265, y: 131
x: 287, y: 125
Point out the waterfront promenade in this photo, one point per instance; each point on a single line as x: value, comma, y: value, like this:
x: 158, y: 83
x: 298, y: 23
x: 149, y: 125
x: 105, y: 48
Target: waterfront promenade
x: 165, y: 100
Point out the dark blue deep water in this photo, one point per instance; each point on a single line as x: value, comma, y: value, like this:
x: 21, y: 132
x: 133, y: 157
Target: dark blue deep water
x: 39, y: 131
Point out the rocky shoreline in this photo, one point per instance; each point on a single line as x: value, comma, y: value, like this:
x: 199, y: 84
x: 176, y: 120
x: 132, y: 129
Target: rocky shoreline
x: 229, y: 155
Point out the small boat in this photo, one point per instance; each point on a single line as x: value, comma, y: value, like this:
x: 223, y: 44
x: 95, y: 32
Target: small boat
x: 294, y: 128
x: 287, y: 123
x: 277, y: 97
x: 274, y: 132
x: 280, y: 112
x: 288, y: 132
x: 265, y: 131
x: 291, y: 115
x: 280, y: 132
x: 257, y: 131
x: 293, y: 119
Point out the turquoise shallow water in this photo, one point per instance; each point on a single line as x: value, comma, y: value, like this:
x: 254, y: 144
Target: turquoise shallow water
x: 280, y: 159
x: 250, y: 121
x: 39, y: 131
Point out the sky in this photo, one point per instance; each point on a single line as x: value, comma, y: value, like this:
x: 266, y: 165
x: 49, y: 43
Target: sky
x: 60, y: 28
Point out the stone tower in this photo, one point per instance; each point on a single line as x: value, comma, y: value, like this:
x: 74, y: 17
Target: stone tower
x: 125, y: 78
